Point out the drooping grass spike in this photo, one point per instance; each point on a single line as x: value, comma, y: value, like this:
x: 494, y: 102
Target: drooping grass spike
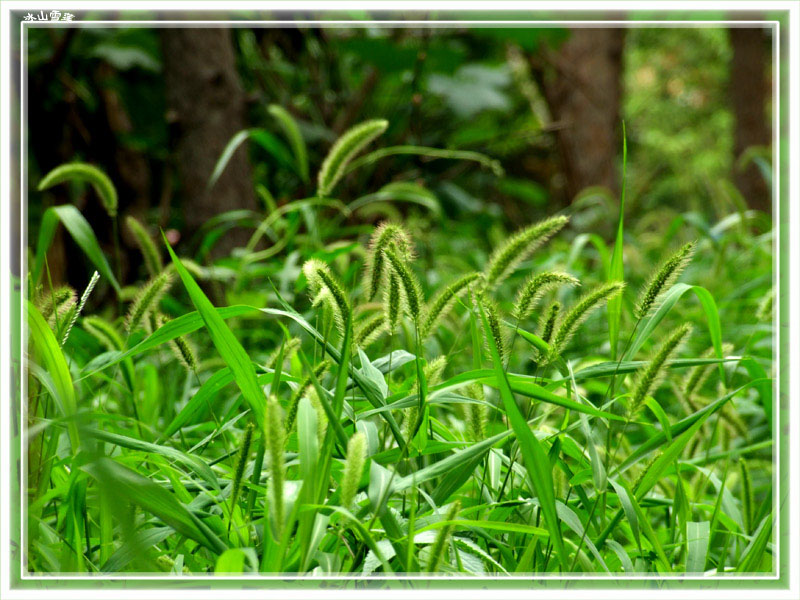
x: 495, y: 326
x: 535, y: 287
x: 765, y: 307
x: 385, y: 235
x: 276, y: 442
x: 78, y: 171
x: 303, y: 388
x: 442, y: 537
x: 476, y: 411
x: 103, y: 331
x: 179, y: 346
x: 147, y: 299
x: 326, y: 288
x: 650, y: 376
x: 412, y: 292
x: 519, y: 247
x: 663, y: 278
x: 370, y: 330
x: 444, y: 301
x: 353, y: 467
x: 580, y: 312
x: 55, y: 305
x: 241, y: 463
x: 346, y: 147
x: 548, y: 321
x: 392, y: 303
x: 150, y: 253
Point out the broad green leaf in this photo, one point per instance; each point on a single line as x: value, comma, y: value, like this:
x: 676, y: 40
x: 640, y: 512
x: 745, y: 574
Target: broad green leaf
x: 697, y: 534
x: 225, y: 342
x: 55, y: 364
x: 80, y: 230
x: 126, y: 485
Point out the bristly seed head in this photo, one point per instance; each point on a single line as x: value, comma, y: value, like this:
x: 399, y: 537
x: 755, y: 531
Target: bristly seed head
x: 408, y: 282
x: 651, y: 375
x: 443, y: 302
x: 324, y: 287
x: 519, y: 247
x: 386, y: 235
x: 581, y: 311
x: 147, y: 299
x: 535, y: 288
x: 663, y: 278
x: 353, y: 467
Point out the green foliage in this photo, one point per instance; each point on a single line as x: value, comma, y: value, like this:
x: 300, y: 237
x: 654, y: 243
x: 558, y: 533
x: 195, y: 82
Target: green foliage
x: 249, y: 451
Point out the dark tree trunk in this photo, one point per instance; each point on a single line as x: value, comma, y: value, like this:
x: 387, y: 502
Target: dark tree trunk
x: 207, y: 104
x: 581, y: 82
x: 749, y: 91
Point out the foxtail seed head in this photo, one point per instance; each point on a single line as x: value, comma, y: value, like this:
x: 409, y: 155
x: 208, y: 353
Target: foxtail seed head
x: 152, y: 258
x: 392, y: 303
x: 408, y: 282
x: 276, y: 436
x: 580, y: 312
x: 241, y: 463
x: 353, y: 467
x: 652, y: 374
x: 386, y: 235
x: 443, y: 302
x: 370, y: 330
x: 147, y: 299
x: 495, y: 327
x: 520, y: 246
x: 326, y: 288
x: 662, y: 279
x: 342, y: 152
x: 535, y: 287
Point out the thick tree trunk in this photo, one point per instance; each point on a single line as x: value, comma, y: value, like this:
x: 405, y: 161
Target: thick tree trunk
x: 749, y: 91
x: 581, y: 82
x: 207, y: 104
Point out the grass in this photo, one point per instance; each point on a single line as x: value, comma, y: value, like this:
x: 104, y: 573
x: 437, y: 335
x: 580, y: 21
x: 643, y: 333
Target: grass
x: 410, y: 416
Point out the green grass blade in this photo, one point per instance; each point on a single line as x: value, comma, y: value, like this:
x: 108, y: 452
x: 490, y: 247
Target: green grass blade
x: 56, y: 365
x: 616, y: 269
x: 126, y: 485
x: 225, y: 342
x: 80, y: 230
x: 293, y: 135
x: 697, y: 534
x: 535, y: 459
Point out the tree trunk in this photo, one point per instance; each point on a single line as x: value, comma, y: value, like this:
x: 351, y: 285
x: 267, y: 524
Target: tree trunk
x: 206, y: 103
x: 581, y: 82
x: 749, y: 91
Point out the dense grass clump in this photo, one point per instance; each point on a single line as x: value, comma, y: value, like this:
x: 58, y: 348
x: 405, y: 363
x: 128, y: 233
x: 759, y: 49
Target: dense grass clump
x: 371, y: 395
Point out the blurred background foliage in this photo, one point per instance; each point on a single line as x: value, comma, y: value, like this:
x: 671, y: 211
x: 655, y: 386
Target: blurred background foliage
x: 547, y: 103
